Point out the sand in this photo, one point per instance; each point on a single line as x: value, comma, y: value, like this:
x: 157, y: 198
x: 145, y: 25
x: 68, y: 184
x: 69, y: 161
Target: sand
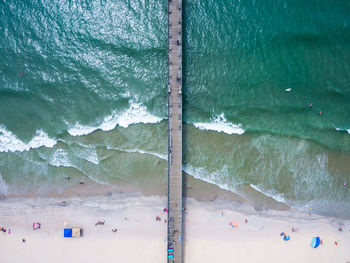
x: 208, y: 236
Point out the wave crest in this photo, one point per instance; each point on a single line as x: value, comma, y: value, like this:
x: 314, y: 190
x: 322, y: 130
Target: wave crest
x: 340, y: 129
x: 136, y: 113
x: 10, y: 143
x: 161, y: 156
x: 220, y: 124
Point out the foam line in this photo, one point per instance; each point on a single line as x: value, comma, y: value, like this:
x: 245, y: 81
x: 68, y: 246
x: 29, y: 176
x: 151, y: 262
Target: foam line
x: 136, y: 113
x: 10, y: 143
x: 220, y: 124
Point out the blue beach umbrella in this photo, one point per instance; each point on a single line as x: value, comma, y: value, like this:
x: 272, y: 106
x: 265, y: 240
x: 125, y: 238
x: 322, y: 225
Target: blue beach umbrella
x: 315, y: 242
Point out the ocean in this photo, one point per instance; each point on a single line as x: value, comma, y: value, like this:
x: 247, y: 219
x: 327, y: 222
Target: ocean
x: 83, y: 93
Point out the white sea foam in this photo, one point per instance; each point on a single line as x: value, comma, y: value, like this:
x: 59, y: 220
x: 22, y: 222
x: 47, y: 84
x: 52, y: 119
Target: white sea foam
x: 10, y: 143
x: 219, y: 123
x: 276, y: 196
x: 218, y: 178
x: 161, y: 156
x: 204, y: 175
x: 136, y: 113
x: 60, y: 158
x: 88, y: 154
x: 347, y: 130
x: 3, y: 186
x: 79, y: 129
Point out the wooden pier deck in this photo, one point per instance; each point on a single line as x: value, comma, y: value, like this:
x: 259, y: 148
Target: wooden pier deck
x: 175, y: 131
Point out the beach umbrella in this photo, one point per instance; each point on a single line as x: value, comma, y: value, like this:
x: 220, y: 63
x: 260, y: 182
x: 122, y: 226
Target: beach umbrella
x: 315, y: 242
x: 286, y: 238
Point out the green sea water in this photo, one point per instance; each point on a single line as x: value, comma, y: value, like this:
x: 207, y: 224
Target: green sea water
x: 83, y: 92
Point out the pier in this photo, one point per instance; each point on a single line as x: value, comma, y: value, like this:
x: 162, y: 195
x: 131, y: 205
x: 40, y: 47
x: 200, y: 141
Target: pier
x: 175, y: 206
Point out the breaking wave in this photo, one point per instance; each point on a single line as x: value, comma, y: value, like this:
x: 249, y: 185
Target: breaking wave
x: 218, y: 178
x: 161, y: 156
x: 276, y: 196
x: 10, y: 143
x: 339, y: 129
x: 220, y: 124
x: 136, y: 113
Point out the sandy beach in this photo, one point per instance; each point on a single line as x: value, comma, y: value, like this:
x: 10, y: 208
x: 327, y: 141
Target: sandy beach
x: 209, y: 235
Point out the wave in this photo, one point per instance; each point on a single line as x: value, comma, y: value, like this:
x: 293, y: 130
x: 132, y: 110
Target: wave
x: 340, y: 129
x: 218, y: 178
x: 10, y: 143
x: 60, y: 158
x: 212, y: 178
x: 136, y: 113
x: 161, y: 156
x: 276, y: 196
x: 220, y: 124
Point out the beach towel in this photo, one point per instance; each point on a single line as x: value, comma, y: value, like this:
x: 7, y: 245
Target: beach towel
x: 67, y: 232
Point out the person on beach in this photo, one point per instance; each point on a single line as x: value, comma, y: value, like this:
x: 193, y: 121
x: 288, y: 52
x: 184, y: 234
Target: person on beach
x: 36, y: 225
x: 100, y: 223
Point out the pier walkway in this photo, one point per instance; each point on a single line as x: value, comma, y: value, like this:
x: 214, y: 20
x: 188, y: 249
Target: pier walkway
x: 175, y: 131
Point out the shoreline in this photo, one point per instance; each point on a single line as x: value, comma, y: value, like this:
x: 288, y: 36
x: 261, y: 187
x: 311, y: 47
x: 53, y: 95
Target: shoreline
x: 208, y: 235
x: 197, y: 189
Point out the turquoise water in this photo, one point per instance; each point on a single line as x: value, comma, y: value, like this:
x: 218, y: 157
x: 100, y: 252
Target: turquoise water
x: 83, y: 92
